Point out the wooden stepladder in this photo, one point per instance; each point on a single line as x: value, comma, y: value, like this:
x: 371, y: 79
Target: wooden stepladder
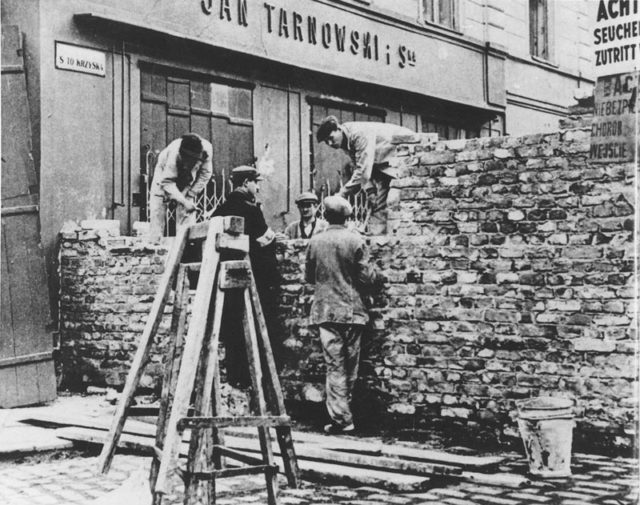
x: 192, y: 375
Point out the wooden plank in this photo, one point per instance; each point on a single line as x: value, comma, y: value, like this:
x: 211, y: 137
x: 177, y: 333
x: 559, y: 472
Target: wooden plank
x: 244, y: 439
x: 172, y: 365
x: 310, y: 470
x: 498, y: 479
x: 233, y: 472
x: 233, y: 243
x: 24, y: 209
x: 211, y: 394
x: 221, y: 422
x: 201, y: 450
x: 26, y: 358
x: 142, y: 353
x: 8, y: 377
x: 259, y: 406
x: 283, y: 433
x: 233, y: 225
x: 234, y: 274
x: 26, y: 316
x: 191, y: 354
x: 373, y: 449
x: 131, y: 426
x: 332, y: 474
x: 395, y: 465
x: 19, y: 179
x: 139, y: 444
x: 237, y: 455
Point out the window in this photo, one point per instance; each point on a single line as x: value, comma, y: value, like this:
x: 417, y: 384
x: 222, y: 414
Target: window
x: 539, y: 29
x: 441, y: 12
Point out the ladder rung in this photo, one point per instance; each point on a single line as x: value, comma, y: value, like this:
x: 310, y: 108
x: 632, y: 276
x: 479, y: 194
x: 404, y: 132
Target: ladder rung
x: 194, y: 266
x: 219, y: 422
x: 237, y: 455
x: 230, y: 472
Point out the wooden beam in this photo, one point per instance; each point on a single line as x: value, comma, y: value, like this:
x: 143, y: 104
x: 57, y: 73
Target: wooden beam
x: 234, y: 274
x: 283, y: 433
x: 234, y: 225
x: 313, y: 452
x: 377, y: 448
x: 221, y: 422
x: 235, y: 243
x: 191, y: 354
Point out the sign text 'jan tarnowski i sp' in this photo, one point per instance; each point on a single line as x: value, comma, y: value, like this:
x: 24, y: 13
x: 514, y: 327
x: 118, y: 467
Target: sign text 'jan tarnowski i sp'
x: 314, y: 32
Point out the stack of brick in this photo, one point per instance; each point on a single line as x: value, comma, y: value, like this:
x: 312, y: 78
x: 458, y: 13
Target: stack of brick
x: 107, y: 286
x: 510, y: 274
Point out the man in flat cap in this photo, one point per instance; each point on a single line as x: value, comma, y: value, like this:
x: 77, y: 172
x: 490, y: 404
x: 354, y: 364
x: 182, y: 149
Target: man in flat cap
x: 338, y: 264
x: 371, y: 146
x: 181, y: 174
x: 262, y: 254
x: 308, y: 224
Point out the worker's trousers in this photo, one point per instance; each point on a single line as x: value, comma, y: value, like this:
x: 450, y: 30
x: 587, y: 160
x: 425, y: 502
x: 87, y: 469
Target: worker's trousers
x: 158, y: 216
x: 341, y: 347
x: 377, y: 190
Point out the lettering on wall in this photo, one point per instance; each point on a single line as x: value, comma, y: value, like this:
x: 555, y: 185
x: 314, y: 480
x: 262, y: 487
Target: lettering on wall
x: 616, y: 36
x: 80, y: 59
x: 321, y: 34
x: 616, y: 43
x: 613, y: 135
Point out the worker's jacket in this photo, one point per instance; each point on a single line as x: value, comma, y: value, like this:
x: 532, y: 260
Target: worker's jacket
x: 369, y: 144
x: 296, y: 229
x: 338, y: 264
x: 170, y: 180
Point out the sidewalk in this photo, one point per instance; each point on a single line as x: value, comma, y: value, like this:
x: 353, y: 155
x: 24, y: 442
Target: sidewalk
x: 44, y: 480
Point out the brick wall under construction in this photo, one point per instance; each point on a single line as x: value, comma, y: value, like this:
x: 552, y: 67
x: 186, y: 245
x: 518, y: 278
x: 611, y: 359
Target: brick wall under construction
x: 510, y: 274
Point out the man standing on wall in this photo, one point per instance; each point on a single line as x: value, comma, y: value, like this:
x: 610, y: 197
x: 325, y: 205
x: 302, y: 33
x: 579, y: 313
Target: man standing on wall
x: 370, y: 146
x: 308, y: 224
x: 262, y: 254
x: 338, y: 264
x: 181, y: 174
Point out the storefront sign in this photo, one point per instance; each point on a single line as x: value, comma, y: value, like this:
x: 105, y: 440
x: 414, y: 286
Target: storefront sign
x: 327, y: 37
x: 80, y: 59
x: 302, y: 27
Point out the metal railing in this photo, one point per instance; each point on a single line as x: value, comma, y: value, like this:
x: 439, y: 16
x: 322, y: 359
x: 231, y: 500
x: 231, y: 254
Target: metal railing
x: 359, y: 202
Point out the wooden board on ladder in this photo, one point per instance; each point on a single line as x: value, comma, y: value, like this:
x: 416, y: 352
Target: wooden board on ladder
x: 192, y: 371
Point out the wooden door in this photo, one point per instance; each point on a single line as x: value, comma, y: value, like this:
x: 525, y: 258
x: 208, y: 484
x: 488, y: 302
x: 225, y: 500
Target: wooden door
x: 279, y: 123
x: 331, y: 167
x: 26, y: 366
x: 174, y: 103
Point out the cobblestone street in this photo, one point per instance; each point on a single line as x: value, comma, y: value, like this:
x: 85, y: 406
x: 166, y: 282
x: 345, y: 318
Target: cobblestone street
x: 596, y: 480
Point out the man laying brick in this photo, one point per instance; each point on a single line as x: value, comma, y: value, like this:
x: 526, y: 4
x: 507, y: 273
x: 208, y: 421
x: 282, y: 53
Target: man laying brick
x: 338, y: 264
x: 371, y: 147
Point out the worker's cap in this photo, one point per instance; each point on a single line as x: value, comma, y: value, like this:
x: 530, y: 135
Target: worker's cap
x: 191, y: 147
x: 328, y: 125
x: 337, y: 205
x: 307, y: 196
x: 245, y: 172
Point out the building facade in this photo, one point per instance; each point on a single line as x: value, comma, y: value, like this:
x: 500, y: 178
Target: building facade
x: 111, y: 82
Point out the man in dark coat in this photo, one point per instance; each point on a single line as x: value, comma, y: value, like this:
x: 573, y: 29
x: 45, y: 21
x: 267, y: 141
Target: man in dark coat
x: 338, y: 264
x: 262, y: 254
